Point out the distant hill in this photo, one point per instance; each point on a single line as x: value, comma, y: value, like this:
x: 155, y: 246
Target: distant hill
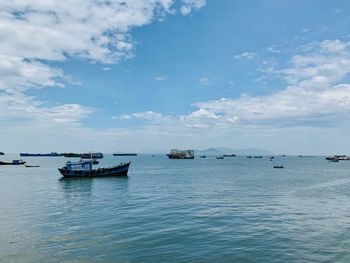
x: 225, y: 150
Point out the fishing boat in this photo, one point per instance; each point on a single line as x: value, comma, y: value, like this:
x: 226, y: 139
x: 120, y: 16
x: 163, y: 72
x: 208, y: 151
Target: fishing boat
x: 84, y: 169
x: 31, y: 166
x: 220, y: 157
x: 14, y: 162
x: 181, y: 154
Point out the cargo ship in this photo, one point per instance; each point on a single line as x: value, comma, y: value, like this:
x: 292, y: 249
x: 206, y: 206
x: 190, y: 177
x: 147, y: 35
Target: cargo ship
x: 181, y: 154
x: 53, y: 154
x: 84, y: 155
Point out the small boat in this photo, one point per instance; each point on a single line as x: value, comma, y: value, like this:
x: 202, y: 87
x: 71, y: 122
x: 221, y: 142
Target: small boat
x: 31, y: 166
x: 124, y: 154
x: 278, y: 166
x: 229, y: 155
x: 2, y: 153
x: 84, y: 169
x: 203, y: 156
x: 220, y: 157
x: 14, y: 162
x: 249, y: 156
x: 258, y: 156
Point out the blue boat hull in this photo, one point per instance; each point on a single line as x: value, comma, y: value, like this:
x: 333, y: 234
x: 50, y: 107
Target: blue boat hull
x: 119, y: 170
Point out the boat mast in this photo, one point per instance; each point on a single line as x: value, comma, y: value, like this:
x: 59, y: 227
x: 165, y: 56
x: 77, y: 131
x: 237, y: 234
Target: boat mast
x: 91, y: 160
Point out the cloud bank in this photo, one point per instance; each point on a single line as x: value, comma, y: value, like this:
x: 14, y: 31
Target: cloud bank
x: 36, y: 33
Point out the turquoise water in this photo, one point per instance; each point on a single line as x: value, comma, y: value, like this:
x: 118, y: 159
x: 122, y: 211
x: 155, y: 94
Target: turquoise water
x: 202, y: 210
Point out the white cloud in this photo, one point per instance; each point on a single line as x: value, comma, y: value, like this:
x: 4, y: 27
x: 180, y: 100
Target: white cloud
x: 273, y: 50
x: 147, y: 115
x: 188, y: 6
x: 161, y: 78
x: 246, y: 55
x: 314, y: 96
x: 35, y: 33
x: 204, y: 81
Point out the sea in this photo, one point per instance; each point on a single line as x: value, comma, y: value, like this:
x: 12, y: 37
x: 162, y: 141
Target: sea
x: 202, y: 210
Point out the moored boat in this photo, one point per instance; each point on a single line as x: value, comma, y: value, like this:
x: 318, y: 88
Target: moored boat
x: 52, y: 154
x: 181, y: 154
x: 31, y: 166
x: 229, y: 155
x: 337, y: 158
x: 124, y: 154
x: 84, y: 169
x: 14, y: 162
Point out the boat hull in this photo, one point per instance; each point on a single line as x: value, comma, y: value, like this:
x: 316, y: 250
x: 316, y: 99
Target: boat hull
x: 6, y: 163
x: 120, y: 170
x: 174, y: 156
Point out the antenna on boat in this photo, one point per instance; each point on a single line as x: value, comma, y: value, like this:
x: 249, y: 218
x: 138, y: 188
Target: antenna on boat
x: 91, y: 160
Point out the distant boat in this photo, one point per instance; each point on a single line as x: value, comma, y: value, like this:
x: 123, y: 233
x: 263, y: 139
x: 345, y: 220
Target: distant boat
x: 31, y: 166
x: 1, y: 153
x: 278, y: 167
x: 203, y: 156
x: 53, y: 154
x: 342, y: 157
x: 259, y: 156
x: 14, y: 162
x: 229, y: 155
x: 336, y: 158
x: 181, y: 154
x: 220, y: 157
x: 84, y: 169
x: 249, y: 156
x: 124, y: 154
x: 84, y: 155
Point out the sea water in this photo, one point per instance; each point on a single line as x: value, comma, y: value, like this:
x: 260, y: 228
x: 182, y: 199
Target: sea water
x: 201, y: 210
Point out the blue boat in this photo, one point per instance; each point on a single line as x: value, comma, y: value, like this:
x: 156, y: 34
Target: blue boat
x: 84, y: 169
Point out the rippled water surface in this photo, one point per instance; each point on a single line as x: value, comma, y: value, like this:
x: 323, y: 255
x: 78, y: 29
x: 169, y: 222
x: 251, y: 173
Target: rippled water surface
x: 202, y: 210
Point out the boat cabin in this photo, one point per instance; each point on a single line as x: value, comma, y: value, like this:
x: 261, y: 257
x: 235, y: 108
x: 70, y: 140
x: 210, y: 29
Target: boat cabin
x: 79, y: 166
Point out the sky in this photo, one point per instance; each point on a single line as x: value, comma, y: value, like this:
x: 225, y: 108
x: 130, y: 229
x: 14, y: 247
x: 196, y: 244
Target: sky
x: 151, y: 75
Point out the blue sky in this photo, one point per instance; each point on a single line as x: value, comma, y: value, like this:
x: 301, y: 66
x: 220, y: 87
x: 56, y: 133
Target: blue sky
x: 158, y: 74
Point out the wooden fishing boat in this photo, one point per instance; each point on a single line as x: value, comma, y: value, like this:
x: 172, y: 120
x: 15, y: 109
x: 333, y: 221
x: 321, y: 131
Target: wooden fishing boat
x: 84, y: 169
x: 14, y: 162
